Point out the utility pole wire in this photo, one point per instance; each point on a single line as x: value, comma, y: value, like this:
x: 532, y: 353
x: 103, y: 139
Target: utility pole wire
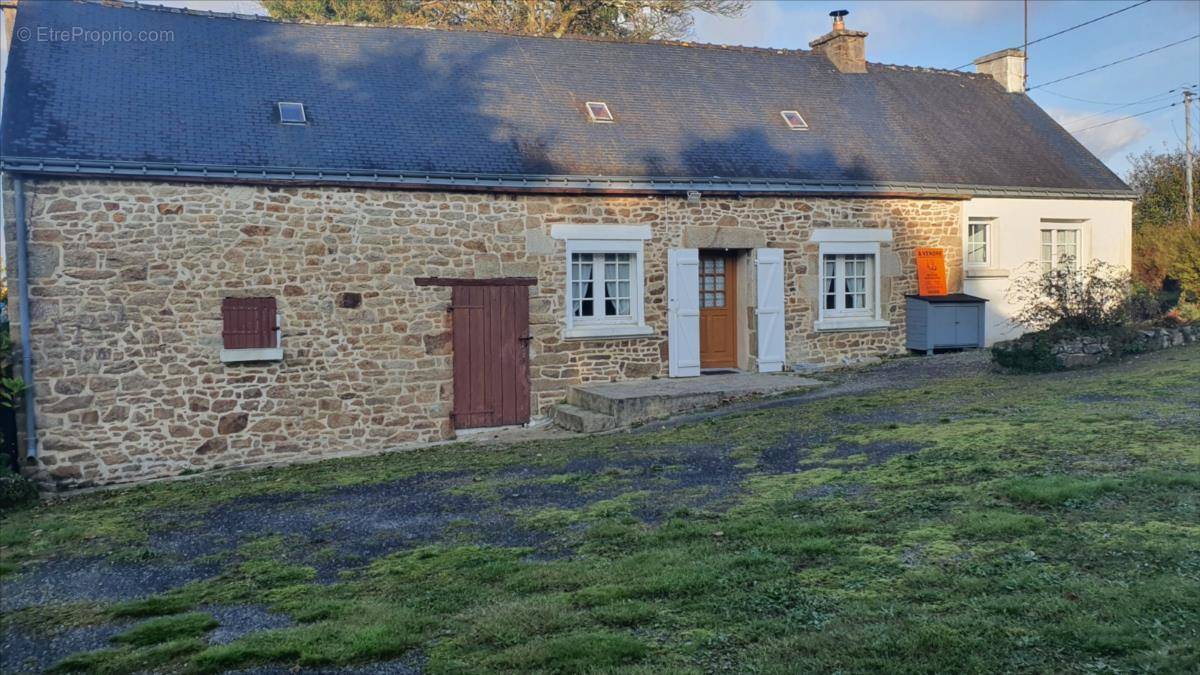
x: 1065, y: 30
x: 1121, y: 119
x: 1085, y: 23
x: 1126, y: 105
x: 1083, y: 100
x: 1107, y: 65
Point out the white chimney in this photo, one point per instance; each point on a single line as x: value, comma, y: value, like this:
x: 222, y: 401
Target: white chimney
x: 1007, y: 66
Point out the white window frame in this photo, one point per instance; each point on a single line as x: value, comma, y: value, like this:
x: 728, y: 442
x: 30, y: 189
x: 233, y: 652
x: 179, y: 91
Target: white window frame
x: 872, y: 317
x: 601, y: 239
x: 989, y: 252
x: 1054, y: 226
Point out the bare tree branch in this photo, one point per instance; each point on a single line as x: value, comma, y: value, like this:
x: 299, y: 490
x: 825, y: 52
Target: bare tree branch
x: 630, y: 19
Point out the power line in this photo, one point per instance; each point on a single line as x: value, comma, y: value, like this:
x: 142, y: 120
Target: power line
x: 1140, y: 100
x: 1122, y: 119
x: 1119, y: 104
x: 1083, y: 100
x: 1107, y: 65
x: 1081, y: 25
x: 1068, y: 30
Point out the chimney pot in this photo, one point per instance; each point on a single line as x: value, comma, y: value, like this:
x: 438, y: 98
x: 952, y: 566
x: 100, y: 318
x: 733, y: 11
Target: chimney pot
x: 846, y: 49
x: 1007, y: 66
x: 839, y: 19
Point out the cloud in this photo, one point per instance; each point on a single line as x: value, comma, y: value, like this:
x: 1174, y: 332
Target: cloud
x: 1107, y: 141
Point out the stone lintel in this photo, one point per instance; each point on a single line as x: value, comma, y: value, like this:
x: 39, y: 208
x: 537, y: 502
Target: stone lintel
x: 723, y: 237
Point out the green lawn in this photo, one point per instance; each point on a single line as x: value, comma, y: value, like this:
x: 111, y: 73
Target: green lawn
x: 1043, y: 523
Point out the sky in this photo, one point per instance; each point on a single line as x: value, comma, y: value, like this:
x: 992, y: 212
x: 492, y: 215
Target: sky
x: 950, y: 33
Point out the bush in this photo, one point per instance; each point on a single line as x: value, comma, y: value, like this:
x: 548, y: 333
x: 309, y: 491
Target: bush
x: 1168, y: 257
x: 1188, y: 312
x: 1092, y: 300
x: 1031, y: 353
x: 1097, y: 304
x: 15, y: 490
x: 1147, y: 305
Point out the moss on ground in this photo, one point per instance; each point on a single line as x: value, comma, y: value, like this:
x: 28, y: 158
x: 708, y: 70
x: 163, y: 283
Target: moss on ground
x: 1042, y: 523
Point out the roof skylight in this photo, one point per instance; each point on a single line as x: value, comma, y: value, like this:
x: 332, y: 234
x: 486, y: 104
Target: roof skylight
x: 292, y: 113
x: 599, y: 112
x: 794, y: 120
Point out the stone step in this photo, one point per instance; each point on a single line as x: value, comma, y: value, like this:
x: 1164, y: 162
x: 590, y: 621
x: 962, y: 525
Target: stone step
x: 582, y: 398
x: 574, y: 418
x: 633, y: 402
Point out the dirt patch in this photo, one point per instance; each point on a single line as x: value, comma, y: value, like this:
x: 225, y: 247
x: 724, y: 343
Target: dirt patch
x: 237, y: 621
x: 90, y: 579
x: 22, y: 651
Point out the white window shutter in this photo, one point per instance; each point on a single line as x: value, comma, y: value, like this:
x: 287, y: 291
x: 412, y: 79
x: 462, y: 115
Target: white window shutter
x: 769, y: 264
x: 683, y: 312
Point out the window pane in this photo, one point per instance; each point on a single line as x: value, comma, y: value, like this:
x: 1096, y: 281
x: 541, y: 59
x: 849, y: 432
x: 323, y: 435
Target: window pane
x: 977, y: 242
x: 582, y: 287
x: 616, y: 290
x: 1068, y: 247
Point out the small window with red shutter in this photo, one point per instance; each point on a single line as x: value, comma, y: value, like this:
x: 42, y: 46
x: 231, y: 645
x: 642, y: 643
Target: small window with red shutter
x: 250, y: 330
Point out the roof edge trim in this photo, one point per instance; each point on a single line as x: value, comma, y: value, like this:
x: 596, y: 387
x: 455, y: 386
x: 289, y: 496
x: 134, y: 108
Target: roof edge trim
x: 529, y: 182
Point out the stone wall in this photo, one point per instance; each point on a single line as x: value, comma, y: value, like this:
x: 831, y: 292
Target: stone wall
x: 1090, y: 350
x: 128, y: 277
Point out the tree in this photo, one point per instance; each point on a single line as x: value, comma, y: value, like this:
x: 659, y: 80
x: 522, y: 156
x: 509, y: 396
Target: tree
x: 1159, y: 181
x: 1166, y: 250
x: 627, y: 19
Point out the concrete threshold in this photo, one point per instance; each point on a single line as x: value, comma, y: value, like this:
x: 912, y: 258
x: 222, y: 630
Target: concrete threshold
x: 609, y: 405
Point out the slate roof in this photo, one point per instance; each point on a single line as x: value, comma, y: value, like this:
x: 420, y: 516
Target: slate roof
x: 439, y: 107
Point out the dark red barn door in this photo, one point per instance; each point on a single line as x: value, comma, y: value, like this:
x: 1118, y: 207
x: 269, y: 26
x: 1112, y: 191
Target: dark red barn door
x: 491, y: 356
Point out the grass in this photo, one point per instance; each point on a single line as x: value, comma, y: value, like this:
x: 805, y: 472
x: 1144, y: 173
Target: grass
x: 1046, y: 523
x: 167, y: 629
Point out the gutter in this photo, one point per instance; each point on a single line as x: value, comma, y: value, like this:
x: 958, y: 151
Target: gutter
x: 23, y: 295
x: 543, y: 183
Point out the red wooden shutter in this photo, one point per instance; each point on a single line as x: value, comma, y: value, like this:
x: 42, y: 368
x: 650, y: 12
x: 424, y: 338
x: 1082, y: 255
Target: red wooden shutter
x: 249, y: 323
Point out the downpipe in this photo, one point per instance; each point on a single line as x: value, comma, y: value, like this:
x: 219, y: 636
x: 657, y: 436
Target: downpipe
x: 23, y: 298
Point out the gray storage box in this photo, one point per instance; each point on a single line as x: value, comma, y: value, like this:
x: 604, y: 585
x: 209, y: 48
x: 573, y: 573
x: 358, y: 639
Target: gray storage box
x: 944, y: 322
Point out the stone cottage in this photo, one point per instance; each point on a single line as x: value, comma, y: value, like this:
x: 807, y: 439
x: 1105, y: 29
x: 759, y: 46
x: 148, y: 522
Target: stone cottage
x: 239, y: 240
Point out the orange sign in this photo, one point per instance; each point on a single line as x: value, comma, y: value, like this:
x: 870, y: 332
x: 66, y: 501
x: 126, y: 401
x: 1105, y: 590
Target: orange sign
x: 931, y: 271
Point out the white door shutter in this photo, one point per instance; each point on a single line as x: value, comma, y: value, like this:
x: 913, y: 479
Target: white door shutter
x: 769, y: 264
x: 683, y: 312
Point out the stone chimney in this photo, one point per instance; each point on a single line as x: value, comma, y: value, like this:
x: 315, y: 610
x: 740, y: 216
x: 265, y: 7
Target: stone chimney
x: 846, y: 49
x: 1007, y: 66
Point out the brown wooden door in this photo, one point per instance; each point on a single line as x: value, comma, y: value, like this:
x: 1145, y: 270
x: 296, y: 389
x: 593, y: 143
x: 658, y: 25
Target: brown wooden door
x: 718, y: 310
x: 491, y: 355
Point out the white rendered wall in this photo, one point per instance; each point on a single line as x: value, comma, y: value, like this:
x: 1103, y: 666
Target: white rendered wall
x: 1105, y: 234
